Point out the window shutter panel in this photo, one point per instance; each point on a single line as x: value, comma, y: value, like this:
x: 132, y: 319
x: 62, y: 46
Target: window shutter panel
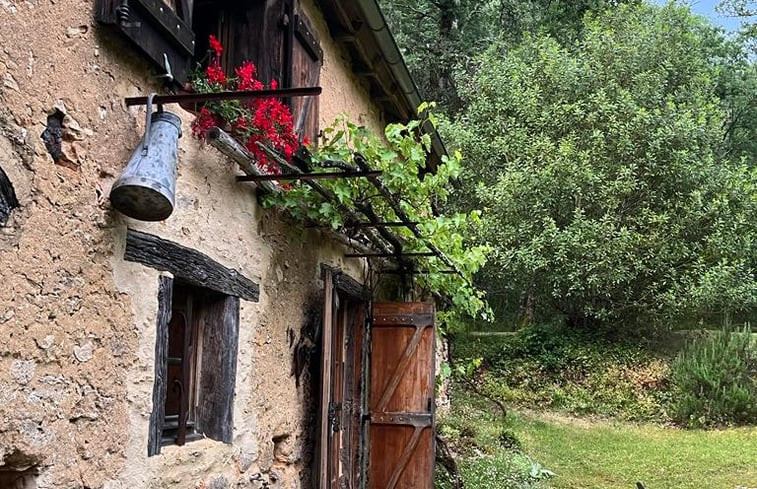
x: 306, y: 61
x: 161, y: 31
x: 218, y: 364
x: 165, y: 300
x: 250, y: 31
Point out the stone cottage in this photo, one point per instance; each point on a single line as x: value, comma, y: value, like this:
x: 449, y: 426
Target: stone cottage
x: 227, y: 345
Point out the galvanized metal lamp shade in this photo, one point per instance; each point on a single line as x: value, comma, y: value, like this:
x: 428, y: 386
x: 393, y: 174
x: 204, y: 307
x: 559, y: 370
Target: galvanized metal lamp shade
x: 147, y: 186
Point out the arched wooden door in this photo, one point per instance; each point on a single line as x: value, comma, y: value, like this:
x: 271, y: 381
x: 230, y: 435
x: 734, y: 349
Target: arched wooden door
x: 401, y: 397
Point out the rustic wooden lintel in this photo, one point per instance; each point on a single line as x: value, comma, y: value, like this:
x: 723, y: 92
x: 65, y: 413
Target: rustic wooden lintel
x: 346, y: 284
x: 188, y: 265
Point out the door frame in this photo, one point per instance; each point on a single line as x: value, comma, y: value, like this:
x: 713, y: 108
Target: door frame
x: 345, y: 327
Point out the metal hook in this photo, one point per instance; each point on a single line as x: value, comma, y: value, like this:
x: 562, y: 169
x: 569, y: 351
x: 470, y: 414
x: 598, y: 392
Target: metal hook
x: 148, y: 122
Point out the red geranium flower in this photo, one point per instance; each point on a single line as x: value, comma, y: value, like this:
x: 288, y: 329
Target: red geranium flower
x: 215, y: 45
x: 216, y: 74
x: 252, y: 122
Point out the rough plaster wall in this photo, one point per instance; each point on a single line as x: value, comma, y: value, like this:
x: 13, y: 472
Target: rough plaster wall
x: 68, y: 338
x: 78, y: 323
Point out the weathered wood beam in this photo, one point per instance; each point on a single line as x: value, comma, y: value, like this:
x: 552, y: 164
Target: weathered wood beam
x: 188, y: 264
x: 416, y: 272
x: 308, y: 176
x: 345, y: 283
x: 359, y: 225
x: 230, y: 147
x: 386, y: 255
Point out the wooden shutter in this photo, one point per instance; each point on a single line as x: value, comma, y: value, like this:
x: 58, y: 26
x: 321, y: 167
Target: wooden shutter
x: 165, y: 300
x: 217, y: 363
x: 278, y: 40
x: 401, y: 403
x: 305, y: 71
x: 158, y: 28
x: 250, y: 31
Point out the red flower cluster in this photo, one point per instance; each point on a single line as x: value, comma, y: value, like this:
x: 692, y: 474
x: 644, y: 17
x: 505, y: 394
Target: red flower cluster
x: 264, y: 120
x: 215, y: 45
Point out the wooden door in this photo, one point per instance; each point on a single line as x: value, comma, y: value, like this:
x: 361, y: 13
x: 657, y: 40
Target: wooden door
x: 401, y: 397
x: 344, y: 321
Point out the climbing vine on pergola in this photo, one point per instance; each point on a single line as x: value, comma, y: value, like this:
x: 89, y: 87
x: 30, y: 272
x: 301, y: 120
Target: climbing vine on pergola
x: 378, y: 196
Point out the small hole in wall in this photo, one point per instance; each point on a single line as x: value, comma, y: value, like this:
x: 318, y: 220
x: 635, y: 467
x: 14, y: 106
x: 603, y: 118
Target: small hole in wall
x: 279, y: 449
x: 19, y: 471
x: 53, y: 135
x: 8, y: 200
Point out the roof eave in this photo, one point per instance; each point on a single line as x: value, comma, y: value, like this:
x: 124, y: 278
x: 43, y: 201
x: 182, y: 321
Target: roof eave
x: 360, y: 26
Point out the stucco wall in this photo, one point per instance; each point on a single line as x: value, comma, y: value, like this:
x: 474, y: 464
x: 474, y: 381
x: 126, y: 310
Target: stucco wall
x: 78, y: 322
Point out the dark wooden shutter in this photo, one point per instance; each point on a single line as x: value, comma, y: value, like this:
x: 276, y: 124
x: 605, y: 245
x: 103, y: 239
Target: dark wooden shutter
x: 157, y: 28
x: 401, y: 403
x: 305, y: 66
x: 250, y: 31
x: 165, y: 300
x: 218, y: 366
x: 278, y: 40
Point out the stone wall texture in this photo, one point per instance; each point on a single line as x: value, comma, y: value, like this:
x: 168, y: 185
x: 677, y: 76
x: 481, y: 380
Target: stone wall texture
x: 78, y: 322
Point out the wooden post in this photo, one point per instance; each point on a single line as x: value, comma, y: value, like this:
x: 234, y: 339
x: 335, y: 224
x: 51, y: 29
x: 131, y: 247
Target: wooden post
x: 326, y: 332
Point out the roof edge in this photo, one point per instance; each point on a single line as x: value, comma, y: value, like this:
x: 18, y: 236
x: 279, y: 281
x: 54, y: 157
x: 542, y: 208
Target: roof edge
x: 373, y: 22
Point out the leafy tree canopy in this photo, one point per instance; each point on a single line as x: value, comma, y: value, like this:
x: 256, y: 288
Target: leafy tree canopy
x: 603, y: 170
x: 440, y: 38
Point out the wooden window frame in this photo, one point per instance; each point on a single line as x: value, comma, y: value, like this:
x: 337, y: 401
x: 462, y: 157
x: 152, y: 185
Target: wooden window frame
x: 182, y: 426
x: 343, y: 375
x: 221, y: 289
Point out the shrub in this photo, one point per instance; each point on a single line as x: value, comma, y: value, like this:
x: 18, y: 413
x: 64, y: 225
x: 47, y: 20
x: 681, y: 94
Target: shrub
x: 551, y: 367
x: 715, y: 380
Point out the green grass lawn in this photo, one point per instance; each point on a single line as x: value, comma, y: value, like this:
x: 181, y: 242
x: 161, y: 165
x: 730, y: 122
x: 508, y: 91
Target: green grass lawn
x: 606, y: 455
x: 587, y: 453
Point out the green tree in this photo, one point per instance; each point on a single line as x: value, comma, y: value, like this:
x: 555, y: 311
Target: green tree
x: 440, y: 38
x: 747, y: 11
x: 601, y: 170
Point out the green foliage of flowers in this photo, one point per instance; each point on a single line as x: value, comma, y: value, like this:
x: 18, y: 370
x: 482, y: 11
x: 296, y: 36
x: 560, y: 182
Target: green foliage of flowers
x: 715, y: 380
x: 401, y: 156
